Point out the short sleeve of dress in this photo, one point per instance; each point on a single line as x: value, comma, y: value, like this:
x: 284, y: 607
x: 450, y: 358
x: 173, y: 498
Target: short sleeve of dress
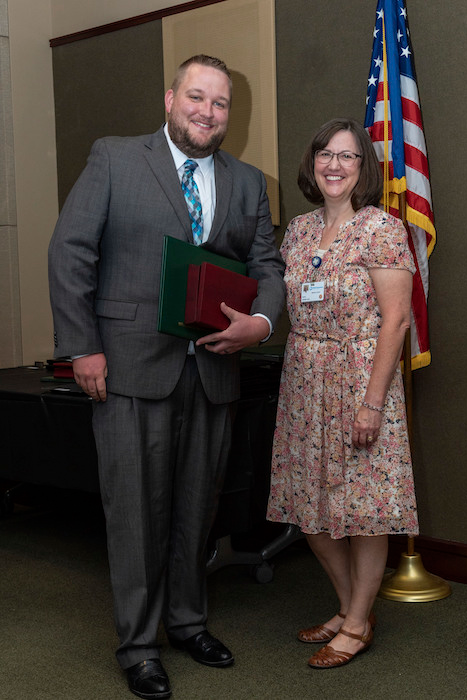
x: 388, y: 244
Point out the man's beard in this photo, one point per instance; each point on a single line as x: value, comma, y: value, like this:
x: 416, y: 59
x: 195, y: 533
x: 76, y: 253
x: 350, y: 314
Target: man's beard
x: 185, y: 143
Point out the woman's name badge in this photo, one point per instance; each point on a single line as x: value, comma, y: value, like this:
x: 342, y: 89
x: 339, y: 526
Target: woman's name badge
x: 312, y: 291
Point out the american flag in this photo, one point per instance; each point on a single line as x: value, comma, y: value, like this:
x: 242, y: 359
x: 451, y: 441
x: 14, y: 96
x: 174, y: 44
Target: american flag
x: 394, y: 121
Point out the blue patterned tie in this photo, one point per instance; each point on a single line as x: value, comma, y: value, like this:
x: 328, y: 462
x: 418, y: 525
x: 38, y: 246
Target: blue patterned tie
x: 191, y: 192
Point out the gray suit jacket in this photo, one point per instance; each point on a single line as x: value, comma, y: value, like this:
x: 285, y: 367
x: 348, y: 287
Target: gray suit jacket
x: 105, y: 259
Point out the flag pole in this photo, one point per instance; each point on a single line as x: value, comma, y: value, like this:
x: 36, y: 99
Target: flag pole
x: 410, y: 582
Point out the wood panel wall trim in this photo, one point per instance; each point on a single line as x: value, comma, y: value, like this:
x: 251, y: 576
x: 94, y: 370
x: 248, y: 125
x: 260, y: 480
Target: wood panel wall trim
x: 440, y: 557
x: 130, y: 22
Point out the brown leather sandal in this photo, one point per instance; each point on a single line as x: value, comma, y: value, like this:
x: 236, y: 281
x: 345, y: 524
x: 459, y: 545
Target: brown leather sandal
x: 321, y: 633
x: 318, y: 633
x: 327, y: 657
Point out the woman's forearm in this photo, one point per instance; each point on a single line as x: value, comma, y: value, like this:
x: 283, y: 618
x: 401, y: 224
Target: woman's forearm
x: 387, y: 356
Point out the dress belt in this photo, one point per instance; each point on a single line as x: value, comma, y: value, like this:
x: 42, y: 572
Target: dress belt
x: 342, y: 341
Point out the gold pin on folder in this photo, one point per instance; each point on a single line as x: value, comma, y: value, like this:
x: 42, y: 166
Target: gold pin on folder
x: 177, y: 255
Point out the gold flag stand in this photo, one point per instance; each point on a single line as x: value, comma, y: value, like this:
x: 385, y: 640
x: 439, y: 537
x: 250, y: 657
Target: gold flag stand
x: 411, y: 583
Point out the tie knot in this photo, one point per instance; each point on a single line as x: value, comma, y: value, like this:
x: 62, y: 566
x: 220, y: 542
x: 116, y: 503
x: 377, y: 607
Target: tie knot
x: 190, y: 166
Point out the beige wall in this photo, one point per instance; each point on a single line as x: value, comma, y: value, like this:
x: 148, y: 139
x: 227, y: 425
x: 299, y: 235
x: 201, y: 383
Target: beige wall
x: 10, y: 316
x: 34, y: 168
x: 27, y: 28
x: 69, y: 16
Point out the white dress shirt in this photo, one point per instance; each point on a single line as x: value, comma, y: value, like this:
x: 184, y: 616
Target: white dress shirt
x: 204, y: 178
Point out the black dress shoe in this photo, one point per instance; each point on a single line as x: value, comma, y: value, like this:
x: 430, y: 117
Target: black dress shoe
x: 205, y: 649
x: 149, y: 680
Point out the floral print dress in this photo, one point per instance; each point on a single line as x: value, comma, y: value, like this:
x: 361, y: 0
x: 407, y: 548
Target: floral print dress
x: 320, y: 481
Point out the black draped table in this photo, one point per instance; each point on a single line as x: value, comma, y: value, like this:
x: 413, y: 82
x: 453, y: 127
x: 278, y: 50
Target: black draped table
x: 46, y: 439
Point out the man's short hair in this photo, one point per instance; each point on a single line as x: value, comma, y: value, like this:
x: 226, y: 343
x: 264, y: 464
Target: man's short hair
x: 202, y: 60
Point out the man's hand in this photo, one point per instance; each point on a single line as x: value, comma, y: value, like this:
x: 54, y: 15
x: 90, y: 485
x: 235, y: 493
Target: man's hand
x: 90, y: 372
x: 244, y: 331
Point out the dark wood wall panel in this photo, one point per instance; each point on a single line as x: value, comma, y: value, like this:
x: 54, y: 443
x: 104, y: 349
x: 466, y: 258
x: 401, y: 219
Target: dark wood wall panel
x: 112, y: 83
x: 108, y: 85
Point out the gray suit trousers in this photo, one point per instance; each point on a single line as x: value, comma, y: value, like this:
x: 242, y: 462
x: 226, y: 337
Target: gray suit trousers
x: 161, y: 468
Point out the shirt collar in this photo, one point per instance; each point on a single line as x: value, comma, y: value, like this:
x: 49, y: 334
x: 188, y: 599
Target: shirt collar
x: 205, y: 164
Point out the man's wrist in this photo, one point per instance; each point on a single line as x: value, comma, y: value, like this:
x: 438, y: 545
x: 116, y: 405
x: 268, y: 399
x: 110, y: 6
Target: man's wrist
x: 271, y: 330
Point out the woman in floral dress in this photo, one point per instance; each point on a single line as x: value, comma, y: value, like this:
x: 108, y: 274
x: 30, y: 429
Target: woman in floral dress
x: 341, y: 460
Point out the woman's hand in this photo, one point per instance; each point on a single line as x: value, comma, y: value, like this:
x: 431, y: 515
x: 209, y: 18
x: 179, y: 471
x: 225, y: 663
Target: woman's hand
x: 366, y: 427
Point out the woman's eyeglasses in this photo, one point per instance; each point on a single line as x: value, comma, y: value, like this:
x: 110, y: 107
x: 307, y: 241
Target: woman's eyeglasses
x: 345, y: 158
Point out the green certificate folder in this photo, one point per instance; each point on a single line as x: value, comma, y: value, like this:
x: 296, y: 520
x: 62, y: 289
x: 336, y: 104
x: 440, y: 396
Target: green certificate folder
x: 176, y: 256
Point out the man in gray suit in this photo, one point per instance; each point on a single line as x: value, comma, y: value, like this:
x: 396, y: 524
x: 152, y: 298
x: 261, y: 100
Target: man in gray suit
x: 162, y: 407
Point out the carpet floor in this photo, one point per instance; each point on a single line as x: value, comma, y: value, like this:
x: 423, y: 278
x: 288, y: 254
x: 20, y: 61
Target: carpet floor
x: 57, y: 639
